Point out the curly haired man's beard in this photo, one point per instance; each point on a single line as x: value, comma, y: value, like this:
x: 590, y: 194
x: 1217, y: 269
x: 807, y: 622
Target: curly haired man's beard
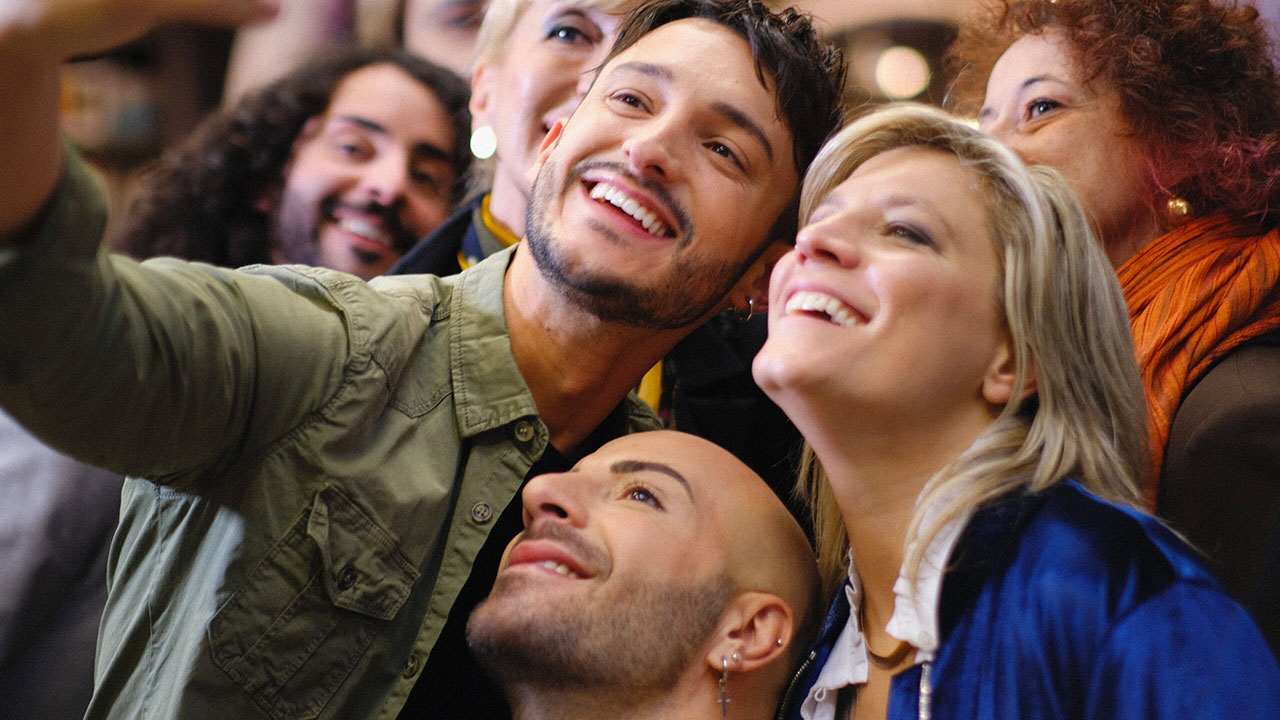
x: 635, y: 646
x: 295, y: 233
x: 295, y: 229
x: 697, y: 286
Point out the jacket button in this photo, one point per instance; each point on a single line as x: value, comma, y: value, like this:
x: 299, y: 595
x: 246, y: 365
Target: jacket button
x: 346, y: 578
x: 524, y: 431
x: 411, y: 666
x: 482, y: 512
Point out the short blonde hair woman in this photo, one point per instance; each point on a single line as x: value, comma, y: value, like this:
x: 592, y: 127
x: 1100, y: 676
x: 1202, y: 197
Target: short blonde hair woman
x: 952, y: 343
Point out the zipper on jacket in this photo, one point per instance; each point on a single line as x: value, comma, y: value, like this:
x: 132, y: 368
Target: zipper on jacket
x: 791, y: 687
x: 926, y: 691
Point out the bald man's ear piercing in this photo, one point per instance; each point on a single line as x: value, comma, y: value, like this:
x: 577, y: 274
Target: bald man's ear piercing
x: 741, y: 316
x: 724, y: 686
x: 780, y: 643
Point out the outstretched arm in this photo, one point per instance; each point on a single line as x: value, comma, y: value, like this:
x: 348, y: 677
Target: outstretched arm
x: 36, y: 36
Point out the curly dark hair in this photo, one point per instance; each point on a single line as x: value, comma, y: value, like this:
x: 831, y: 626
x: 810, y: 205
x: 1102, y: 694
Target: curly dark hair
x: 809, y: 73
x: 201, y: 201
x: 1194, y: 78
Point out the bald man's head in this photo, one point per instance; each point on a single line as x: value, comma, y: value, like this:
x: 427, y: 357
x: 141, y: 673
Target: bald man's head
x: 650, y: 561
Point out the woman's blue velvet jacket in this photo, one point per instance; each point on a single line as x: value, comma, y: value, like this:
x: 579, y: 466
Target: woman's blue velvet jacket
x: 1061, y: 605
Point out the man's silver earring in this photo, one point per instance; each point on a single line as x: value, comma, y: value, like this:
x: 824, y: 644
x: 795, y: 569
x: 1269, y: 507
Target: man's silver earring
x: 741, y: 316
x: 724, y: 686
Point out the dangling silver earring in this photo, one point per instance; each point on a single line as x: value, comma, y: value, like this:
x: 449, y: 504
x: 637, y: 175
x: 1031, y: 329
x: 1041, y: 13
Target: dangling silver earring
x: 484, y: 142
x: 724, y: 687
x: 740, y: 316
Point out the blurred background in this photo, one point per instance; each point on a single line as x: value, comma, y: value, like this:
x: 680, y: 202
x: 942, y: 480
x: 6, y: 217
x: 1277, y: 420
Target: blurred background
x: 125, y: 107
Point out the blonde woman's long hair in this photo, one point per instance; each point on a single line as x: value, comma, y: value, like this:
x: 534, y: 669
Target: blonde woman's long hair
x: 1082, y: 415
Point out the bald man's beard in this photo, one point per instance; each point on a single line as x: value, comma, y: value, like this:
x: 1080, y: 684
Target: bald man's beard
x: 635, y: 643
x: 689, y: 294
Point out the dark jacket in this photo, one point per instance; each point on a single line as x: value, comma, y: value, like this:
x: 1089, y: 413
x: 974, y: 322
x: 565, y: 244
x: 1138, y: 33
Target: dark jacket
x: 1220, y: 482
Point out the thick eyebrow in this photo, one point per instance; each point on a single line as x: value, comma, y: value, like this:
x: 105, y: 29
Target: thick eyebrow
x: 658, y: 72
x: 623, y: 467
x: 428, y: 150
x: 731, y: 113
x: 740, y: 119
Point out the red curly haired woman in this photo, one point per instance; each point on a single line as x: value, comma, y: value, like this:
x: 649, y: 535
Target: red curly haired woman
x: 1164, y: 115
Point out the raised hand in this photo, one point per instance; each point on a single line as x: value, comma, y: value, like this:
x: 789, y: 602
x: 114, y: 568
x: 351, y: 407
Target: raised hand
x: 58, y: 29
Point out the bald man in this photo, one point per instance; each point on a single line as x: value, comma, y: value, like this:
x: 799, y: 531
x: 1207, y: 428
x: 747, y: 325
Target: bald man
x: 659, y: 578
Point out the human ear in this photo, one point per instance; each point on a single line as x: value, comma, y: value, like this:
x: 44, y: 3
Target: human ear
x: 754, y: 284
x: 479, y: 102
x: 544, y: 150
x: 1001, y: 377
x: 755, y: 630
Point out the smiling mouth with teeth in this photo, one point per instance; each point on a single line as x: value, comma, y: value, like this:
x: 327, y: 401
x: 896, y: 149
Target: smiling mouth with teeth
x: 818, y: 303
x: 604, y: 192
x: 560, y: 568
x: 366, y: 229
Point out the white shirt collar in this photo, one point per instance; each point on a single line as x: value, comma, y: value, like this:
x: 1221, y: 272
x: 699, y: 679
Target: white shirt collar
x: 915, y: 620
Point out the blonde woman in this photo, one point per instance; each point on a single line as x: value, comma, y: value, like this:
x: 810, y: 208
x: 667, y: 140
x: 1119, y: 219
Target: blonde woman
x: 954, y: 347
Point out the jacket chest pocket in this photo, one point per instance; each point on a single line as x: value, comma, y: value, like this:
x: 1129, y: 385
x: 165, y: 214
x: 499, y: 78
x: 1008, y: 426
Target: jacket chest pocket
x: 310, y: 609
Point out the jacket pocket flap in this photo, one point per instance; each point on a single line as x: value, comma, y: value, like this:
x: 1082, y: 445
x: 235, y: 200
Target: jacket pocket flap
x: 364, y: 571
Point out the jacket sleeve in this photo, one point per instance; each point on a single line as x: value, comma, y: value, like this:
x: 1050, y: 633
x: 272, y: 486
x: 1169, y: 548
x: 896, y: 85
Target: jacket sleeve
x: 162, y: 367
x: 1187, y: 652
x: 1220, y: 485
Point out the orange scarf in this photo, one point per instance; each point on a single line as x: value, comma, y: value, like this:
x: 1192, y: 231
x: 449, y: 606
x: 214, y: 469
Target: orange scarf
x: 1194, y: 294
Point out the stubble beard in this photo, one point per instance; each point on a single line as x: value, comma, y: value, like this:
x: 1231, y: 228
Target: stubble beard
x: 295, y: 228
x: 695, y: 285
x: 634, y: 647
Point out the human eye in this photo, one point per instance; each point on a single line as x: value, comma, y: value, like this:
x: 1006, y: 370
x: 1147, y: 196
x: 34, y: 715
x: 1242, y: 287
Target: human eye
x: 464, y: 16
x: 909, y: 233
x: 429, y: 179
x: 1038, y: 107
x: 726, y: 152
x: 628, y: 99
x: 642, y: 494
x: 573, y: 30
x: 349, y: 144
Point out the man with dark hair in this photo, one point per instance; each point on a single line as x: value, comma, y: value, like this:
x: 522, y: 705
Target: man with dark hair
x: 660, y: 579
x: 343, y: 163
x: 317, y: 464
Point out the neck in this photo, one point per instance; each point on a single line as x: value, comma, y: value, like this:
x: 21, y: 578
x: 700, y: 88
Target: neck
x: 1126, y: 242
x: 508, y: 202
x: 685, y: 701
x: 578, y: 368
x: 877, y: 473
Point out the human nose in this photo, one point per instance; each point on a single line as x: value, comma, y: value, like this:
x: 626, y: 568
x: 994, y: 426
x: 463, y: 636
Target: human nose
x: 822, y: 242
x: 384, y: 180
x: 649, y: 153
x: 554, y: 497
x: 999, y: 125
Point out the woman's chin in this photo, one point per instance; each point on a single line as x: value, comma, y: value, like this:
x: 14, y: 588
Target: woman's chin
x: 786, y: 375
